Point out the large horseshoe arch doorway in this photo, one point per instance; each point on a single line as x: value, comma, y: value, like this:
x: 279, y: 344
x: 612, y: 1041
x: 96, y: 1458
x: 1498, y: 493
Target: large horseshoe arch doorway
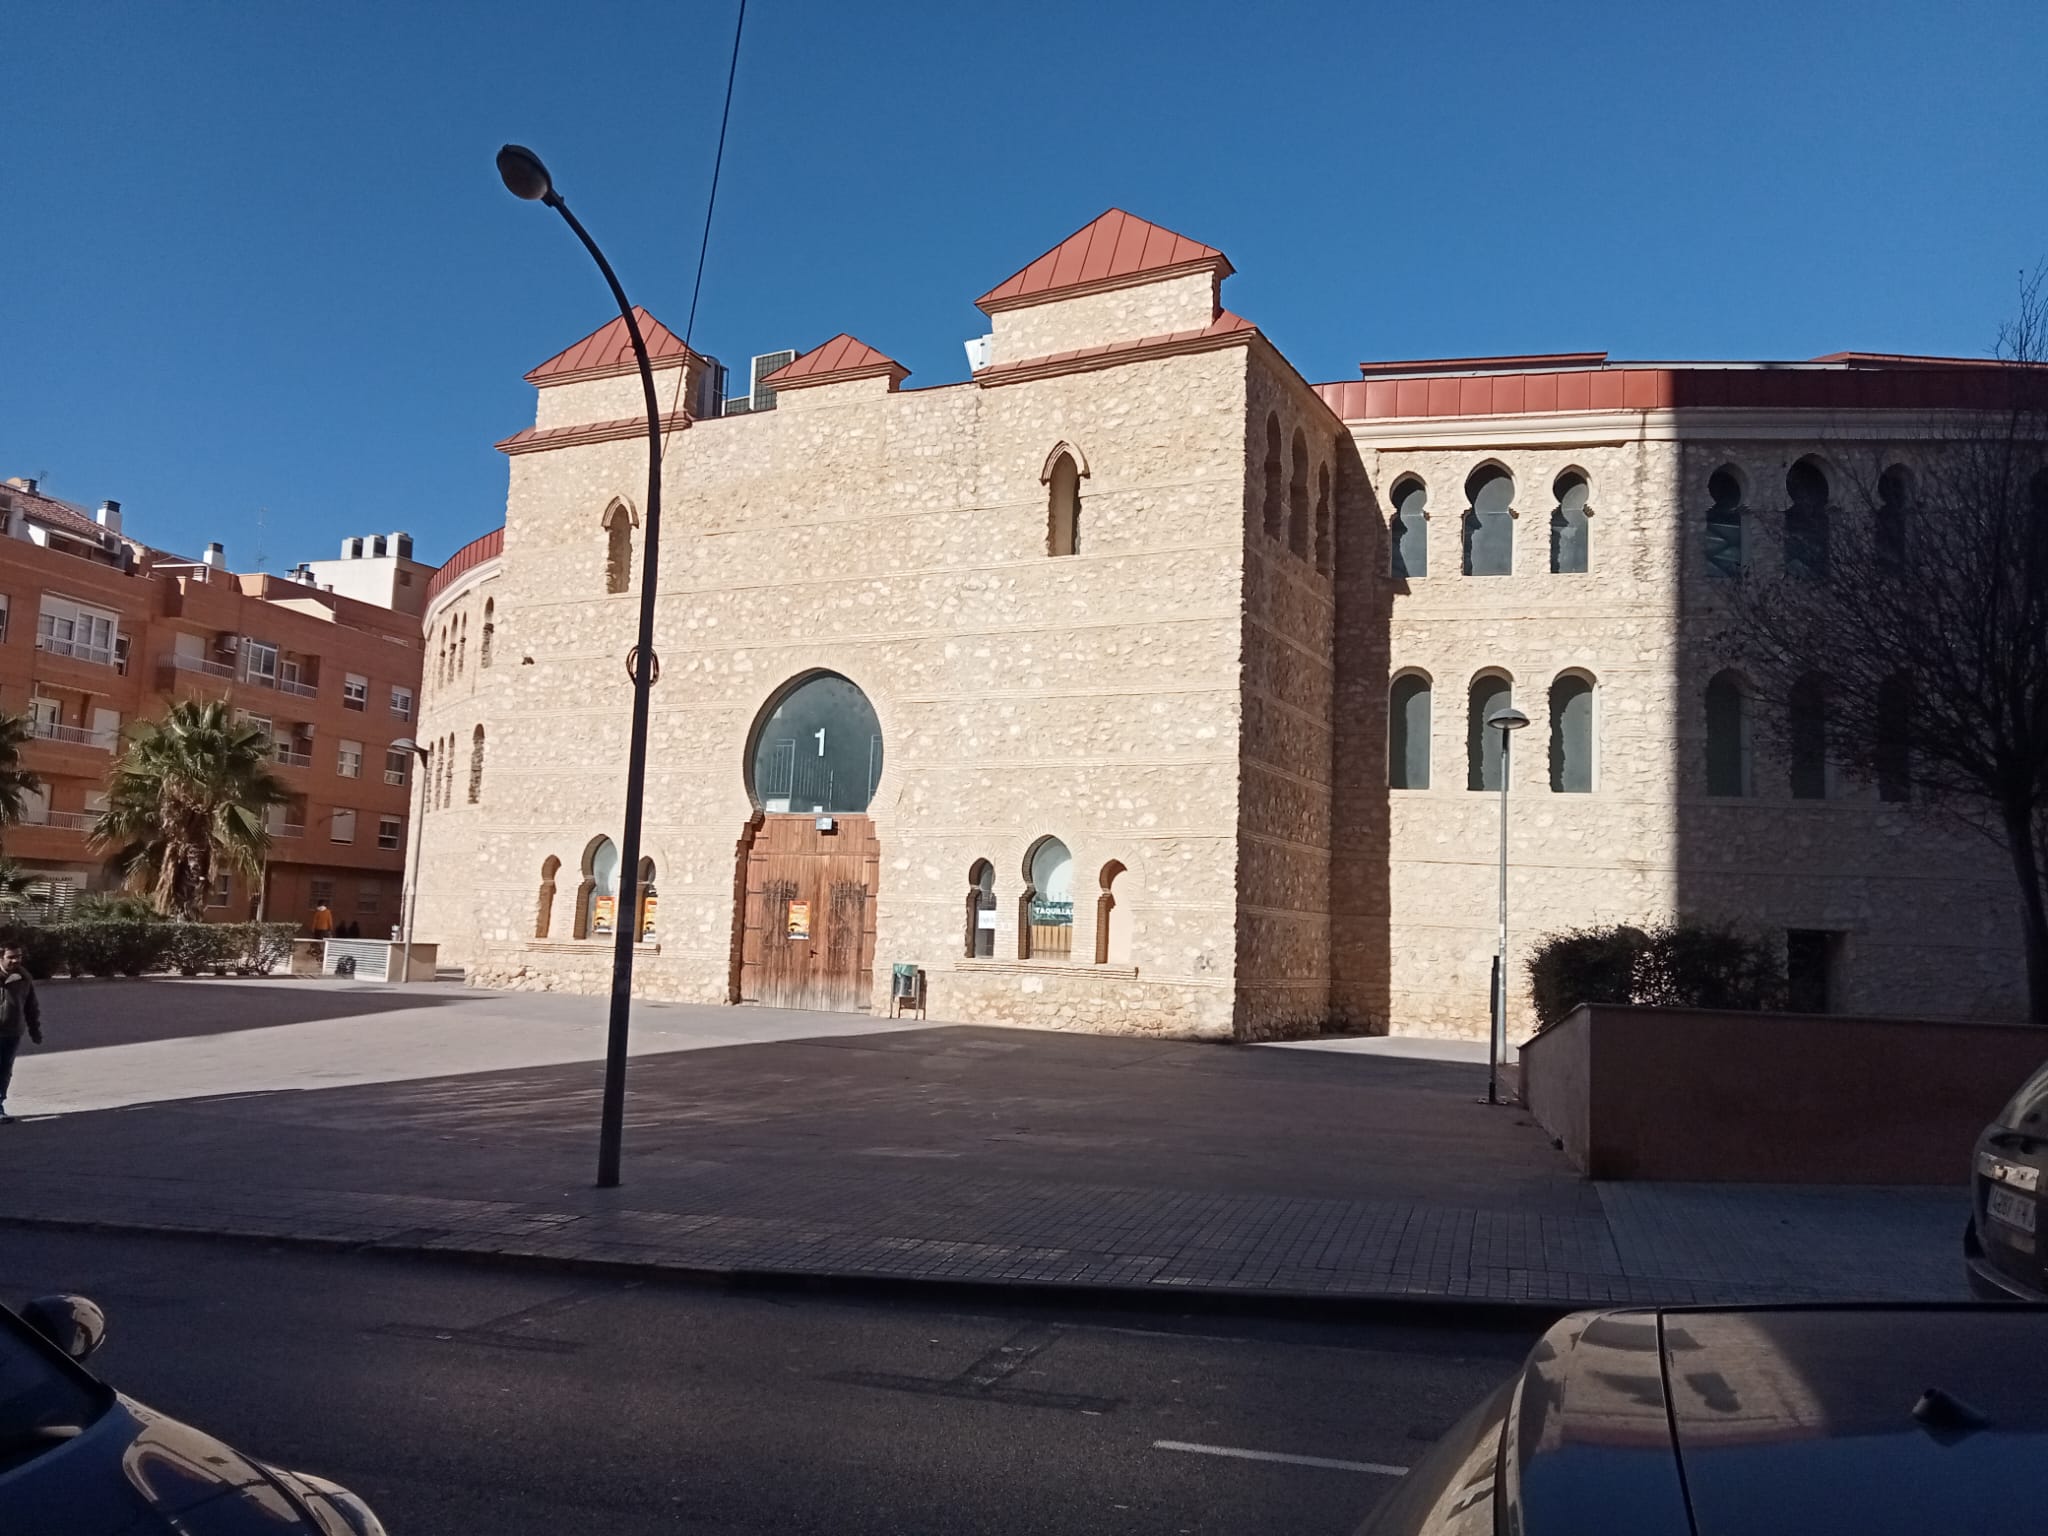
x: 810, y: 864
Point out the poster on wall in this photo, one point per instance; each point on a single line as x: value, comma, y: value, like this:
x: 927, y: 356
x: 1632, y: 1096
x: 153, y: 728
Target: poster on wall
x: 601, y: 914
x: 799, y: 920
x: 647, y: 910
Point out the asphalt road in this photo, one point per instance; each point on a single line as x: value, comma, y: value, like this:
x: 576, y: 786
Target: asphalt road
x: 458, y: 1398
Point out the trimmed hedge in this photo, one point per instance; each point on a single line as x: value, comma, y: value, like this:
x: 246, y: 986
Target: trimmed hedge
x: 1670, y: 965
x: 128, y: 947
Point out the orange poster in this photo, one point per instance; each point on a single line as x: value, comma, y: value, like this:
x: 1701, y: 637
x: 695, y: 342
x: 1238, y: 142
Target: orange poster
x: 601, y: 916
x: 799, y: 920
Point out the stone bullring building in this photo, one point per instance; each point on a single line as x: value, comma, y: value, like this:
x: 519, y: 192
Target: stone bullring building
x: 1132, y: 684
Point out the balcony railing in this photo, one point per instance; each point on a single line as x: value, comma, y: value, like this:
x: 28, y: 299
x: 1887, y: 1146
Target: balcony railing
x: 77, y: 650
x: 78, y: 735
x: 293, y: 759
x: 289, y: 829
x: 297, y: 689
x: 63, y: 821
x: 395, y: 776
x: 218, y: 669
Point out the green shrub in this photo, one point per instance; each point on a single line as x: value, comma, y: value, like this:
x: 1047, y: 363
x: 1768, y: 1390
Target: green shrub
x: 111, y: 946
x: 114, y: 947
x: 196, y: 947
x: 1670, y: 965
x: 115, y: 907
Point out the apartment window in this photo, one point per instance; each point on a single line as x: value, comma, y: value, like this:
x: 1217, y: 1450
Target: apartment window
x: 355, y: 691
x: 65, y: 628
x: 401, y: 702
x: 396, y: 761
x: 344, y: 827
x: 223, y: 888
x: 319, y: 892
x: 368, y: 900
x: 261, y: 723
x: 349, y: 760
x: 3, y: 618
x: 259, y: 661
x: 390, y: 832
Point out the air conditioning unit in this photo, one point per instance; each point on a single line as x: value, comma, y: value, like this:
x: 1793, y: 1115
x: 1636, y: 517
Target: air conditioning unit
x: 229, y: 644
x: 764, y: 364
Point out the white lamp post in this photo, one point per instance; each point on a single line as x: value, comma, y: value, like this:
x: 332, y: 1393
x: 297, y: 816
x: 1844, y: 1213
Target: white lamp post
x: 1507, y: 721
x: 418, y: 834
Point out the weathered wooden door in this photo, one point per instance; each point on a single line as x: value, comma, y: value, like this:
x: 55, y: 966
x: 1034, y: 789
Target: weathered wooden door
x: 809, y: 939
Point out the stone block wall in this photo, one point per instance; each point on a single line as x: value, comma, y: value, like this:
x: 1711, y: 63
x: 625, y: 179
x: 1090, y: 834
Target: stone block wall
x: 1129, y: 313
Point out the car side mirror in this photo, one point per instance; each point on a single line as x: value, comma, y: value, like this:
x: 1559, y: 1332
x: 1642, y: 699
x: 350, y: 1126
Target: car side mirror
x: 74, y: 1324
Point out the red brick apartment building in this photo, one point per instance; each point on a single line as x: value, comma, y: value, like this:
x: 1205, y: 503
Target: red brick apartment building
x: 98, y: 631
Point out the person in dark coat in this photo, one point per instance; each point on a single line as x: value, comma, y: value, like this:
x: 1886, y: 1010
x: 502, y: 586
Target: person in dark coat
x: 19, y: 1012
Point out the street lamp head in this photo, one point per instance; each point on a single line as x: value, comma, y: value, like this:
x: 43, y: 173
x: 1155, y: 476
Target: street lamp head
x: 407, y: 744
x: 1509, y: 719
x: 524, y: 175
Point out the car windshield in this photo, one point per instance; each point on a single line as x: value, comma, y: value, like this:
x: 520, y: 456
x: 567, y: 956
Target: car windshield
x: 2028, y: 1110
x: 42, y: 1401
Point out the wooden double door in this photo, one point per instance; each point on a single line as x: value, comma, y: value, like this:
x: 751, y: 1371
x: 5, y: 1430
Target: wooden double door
x: 809, y: 939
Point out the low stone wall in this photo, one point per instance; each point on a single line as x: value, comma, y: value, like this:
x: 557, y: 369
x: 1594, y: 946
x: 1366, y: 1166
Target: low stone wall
x: 1673, y: 1093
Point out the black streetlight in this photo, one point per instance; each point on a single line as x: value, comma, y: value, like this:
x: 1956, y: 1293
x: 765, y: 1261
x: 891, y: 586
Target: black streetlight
x: 526, y: 177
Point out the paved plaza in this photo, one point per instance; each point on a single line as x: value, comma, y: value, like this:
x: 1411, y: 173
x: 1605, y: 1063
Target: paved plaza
x: 444, y: 1119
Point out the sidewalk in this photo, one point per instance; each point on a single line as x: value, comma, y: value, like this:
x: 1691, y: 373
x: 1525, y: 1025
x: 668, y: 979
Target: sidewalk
x: 950, y: 1154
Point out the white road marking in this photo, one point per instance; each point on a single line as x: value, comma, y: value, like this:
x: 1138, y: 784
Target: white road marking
x: 1376, y: 1468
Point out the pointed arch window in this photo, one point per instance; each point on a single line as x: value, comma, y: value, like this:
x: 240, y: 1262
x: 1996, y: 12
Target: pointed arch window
x: 1571, y: 734
x: 483, y: 658
x: 1490, y: 522
x: 1408, y: 732
x: 1724, y: 522
x: 544, y: 907
x: 1891, y: 522
x: 618, y: 549
x: 1323, y: 521
x: 1045, y: 912
x: 476, y: 765
x: 1113, y: 917
x: 1490, y: 693
x: 1063, y: 507
x: 979, y: 940
x: 1569, y: 525
x: 1409, y: 530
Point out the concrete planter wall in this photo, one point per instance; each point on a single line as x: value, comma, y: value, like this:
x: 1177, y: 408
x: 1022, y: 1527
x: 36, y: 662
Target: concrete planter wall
x: 1672, y: 1093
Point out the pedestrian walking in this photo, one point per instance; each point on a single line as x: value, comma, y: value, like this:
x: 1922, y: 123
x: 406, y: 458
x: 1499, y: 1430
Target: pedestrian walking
x: 19, y: 1012
x: 323, y: 922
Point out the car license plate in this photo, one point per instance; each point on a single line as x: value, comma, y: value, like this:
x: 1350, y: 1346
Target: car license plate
x: 2010, y: 1207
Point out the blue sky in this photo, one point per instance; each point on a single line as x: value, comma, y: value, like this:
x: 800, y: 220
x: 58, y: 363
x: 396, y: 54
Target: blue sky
x: 256, y: 256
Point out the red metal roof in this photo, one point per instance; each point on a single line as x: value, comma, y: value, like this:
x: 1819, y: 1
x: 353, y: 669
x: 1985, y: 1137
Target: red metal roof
x: 843, y: 357
x: 472, y: 554
x: 1521, y: 361
x: 1111, y: 251
x: 1930, y: 385
x: 609, y: 349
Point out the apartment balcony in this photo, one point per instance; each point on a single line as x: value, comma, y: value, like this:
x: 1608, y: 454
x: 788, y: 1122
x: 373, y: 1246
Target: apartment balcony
x: 78, y: 736
x: 293, y: 759
x: 60, y: 839
x: 62, y: 821
x: 289, y: 829
x: 178, y: 662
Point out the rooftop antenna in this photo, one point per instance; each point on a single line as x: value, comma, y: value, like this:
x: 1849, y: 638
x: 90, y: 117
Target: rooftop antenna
x: 262, y: 559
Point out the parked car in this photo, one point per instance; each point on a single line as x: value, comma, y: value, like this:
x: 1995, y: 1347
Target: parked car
x: 1750, y: 1422
x: 2002, y: 1243
x: 79, y: 1459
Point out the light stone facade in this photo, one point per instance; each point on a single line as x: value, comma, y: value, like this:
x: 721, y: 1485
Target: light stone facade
x: 1195, y: 701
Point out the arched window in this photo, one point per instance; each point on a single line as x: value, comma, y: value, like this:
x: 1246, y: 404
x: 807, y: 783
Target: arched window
x: 1408, y: 533
x: 1323, y: 521
x: 1112, y: 919
x: 1571, y: 734
x: 1408, y: 732
x: 1895, y: 738
x: 1807, y: 736
x: 448, y: 774
x: 979, y: 940
x: 646, y: 899
x: 1728, y: 771
x: 1889, y: 533
x: 1569, y: 524
x: 544, y: 909
x: 1063, y: 510
x: 1806, y: 522
x: 462, y: 646
x: 476, y: 765
x: 1724, y: 522
x: 1489, y: 522
x: 1490, y: 693
x: 618, y: 549
x: 1045, y: 912
x: 598, y: 896
x: 818, y: 750
x: 1297, y: 497
x: 483, y: 658
x: 1274, y: 515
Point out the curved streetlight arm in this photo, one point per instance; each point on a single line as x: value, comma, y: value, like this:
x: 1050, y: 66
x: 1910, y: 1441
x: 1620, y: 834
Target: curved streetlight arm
x: 626, y: 920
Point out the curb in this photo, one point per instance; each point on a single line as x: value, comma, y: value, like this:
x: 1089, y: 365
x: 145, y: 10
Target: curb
x: 1395, y: 1308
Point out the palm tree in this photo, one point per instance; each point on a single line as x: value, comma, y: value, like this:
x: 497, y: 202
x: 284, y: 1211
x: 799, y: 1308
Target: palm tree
x: 16, y: 782
x: 14, y: 886
x: 186, y: 801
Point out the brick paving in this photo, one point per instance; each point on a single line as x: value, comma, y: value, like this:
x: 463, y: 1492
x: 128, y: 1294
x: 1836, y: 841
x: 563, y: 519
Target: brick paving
x: 983, y: 1155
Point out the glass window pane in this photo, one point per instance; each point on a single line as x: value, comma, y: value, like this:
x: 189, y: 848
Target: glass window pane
x: 1482, y: 745
x: 819, y: 751
x: 1568, y: 527
x: 1571, y: 736
x: 1408, y: 734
